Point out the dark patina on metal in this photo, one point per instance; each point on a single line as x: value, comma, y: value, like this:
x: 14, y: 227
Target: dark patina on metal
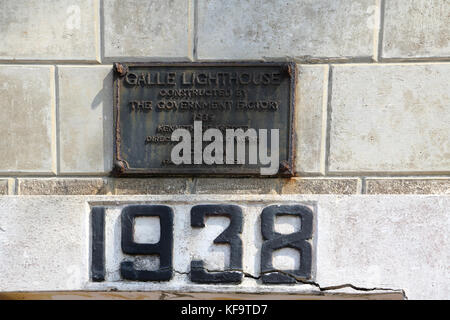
x: 153, y: 100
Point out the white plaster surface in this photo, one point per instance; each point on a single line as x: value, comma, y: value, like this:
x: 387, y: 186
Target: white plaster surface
x: 386, y: 242
x: 43, y: 244
x: 376, y: 243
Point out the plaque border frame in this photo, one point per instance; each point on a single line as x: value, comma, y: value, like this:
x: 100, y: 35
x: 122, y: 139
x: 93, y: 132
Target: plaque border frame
x: 121, y: 167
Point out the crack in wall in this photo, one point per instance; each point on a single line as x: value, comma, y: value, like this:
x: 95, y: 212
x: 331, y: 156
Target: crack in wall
x: 323, y: 289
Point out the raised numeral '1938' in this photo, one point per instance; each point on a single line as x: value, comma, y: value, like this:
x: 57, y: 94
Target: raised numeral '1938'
x: 231, y: 235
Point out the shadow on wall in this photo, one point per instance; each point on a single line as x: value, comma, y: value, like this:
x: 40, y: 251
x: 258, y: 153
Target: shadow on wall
x: 103, y: 98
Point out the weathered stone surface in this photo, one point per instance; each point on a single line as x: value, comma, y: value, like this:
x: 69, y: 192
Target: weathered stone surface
x: 374, y: 242
x: 3, y: 187
x: 151, y: 186
x: 62, y: 186
x: 310, y: 117
x: 85, y: 119
x: 244, y: 30
x: 43, y: 244
x: 416, y: 29
x: 236, y: 185
x: 49, y: 30
x: 386, y: 242
x: 390, y: 118
x: 147, y: 29
x: 407, y: 186
x: 27, y: 119
x: 320, y: 186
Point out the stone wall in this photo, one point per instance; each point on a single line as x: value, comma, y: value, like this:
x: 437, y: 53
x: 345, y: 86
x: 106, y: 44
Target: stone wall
x: 373, y: 105
x: 372, y: 118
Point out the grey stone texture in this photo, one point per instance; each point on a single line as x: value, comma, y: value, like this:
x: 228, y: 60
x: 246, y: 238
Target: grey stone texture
x: 310, y: 118
x: 416, y: 29
x: 49, y: 30
x: 44, y: 244
x: 85, y: 109
x: 408, y: 186
x: 3, y: 187
x: 235, y: 29
x: 148, y: 29
x: 390, y: 118
x: 356, y: 244
x: 156, y: 185
x: 236, y: 185
x: 27, y: 119
x: 129, y: 186
x: 63, y: 186
x: 321, y: 186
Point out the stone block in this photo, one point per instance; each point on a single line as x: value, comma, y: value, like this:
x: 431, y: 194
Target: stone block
x: 49, y: 30
x: 147, y: 29
x: 27, y: 120
x: 408, y: 186
x: 236, y: 185
x: 237, y: 29
x: 390, y: 118
x: 416, y: 29
x: 310, y: 118
x: 62, y: 186
x: 85, y: 109
x: 321, y: 186
x: 127, y: 186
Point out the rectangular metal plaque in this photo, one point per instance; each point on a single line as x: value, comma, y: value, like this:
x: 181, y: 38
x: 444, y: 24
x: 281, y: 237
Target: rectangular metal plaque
x: 153, y: 100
